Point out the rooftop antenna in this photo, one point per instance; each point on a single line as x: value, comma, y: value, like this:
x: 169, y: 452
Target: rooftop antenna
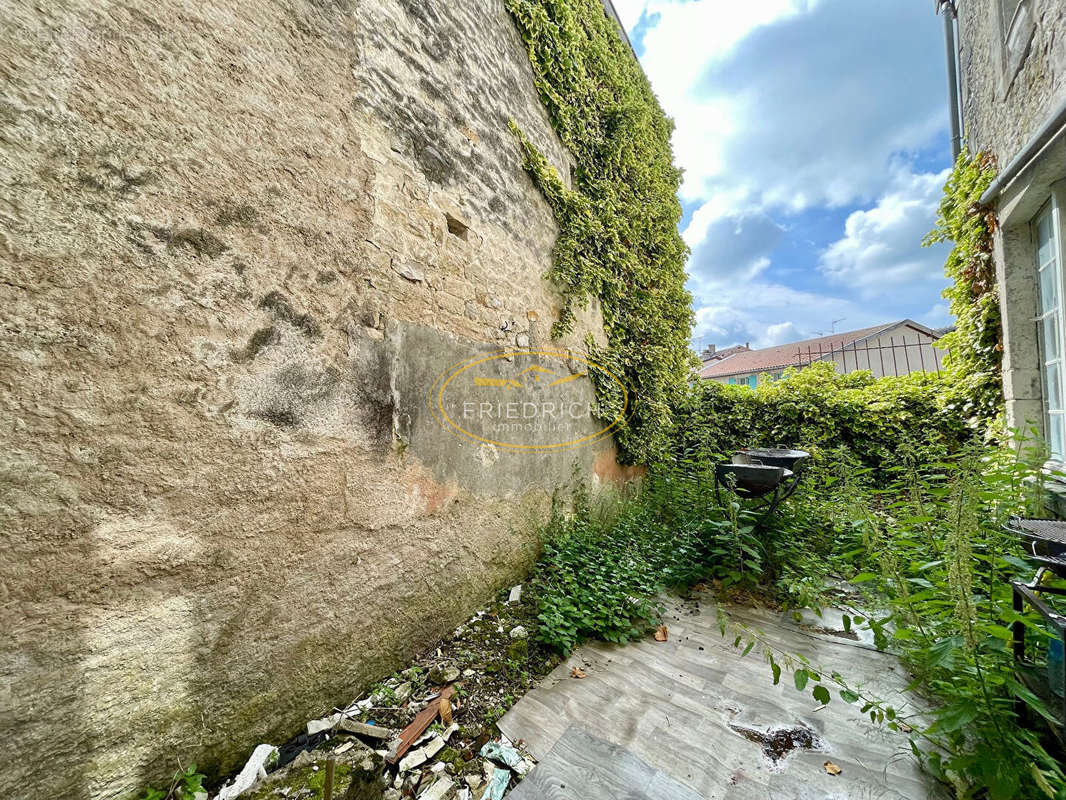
x: 833, y: 325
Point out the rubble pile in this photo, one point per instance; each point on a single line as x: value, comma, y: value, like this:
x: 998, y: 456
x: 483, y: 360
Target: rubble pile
x: 427, y: 732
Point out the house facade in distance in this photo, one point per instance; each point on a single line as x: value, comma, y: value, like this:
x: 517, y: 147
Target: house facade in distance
x: 894, y: 348
x: 1012, y: 70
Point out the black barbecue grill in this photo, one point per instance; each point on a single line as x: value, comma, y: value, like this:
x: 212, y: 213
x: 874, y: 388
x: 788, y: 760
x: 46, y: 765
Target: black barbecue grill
x: 1046, y: 539
x: 768, y: 475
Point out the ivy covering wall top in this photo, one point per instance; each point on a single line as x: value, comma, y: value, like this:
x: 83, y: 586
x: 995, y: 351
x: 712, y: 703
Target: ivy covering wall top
x: 618, y: 238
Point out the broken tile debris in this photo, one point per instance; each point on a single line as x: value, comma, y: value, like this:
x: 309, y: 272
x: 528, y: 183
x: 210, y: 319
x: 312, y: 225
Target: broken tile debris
x: 264, y: 756
x: 415, y: 734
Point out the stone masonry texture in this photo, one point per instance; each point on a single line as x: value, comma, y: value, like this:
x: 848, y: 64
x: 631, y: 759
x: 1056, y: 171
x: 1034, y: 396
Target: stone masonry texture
x: 1012, y: 64
x: 238, y: 242
x: 1008, y: 89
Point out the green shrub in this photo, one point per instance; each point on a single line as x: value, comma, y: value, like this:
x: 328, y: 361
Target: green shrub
x: 186, y: 784
x: 819, y: 410
x: 604, y: 566
x: 928, y: 552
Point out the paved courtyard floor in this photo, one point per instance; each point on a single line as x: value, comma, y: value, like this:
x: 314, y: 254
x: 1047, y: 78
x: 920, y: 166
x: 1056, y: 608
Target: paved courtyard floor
x: 690, y: 718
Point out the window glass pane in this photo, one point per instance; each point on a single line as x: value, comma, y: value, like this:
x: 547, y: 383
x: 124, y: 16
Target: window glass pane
x: 1052, y: 372
x: 1049, y: 289
x: 1043, y: 239
x: 1055, y: 436
x: 1051, y: 336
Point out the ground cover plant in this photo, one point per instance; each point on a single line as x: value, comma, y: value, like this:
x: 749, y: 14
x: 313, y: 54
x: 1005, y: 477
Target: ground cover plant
x: 927, y: 551
x: 904, y: 502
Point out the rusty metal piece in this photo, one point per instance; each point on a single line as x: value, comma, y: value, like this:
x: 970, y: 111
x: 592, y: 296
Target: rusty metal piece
x: 418, y: 725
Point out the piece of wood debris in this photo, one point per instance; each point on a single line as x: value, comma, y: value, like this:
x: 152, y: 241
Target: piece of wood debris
x: 446, y: 711
x: 831, y: 768
x: 577, y: 672
x: 418, y: 725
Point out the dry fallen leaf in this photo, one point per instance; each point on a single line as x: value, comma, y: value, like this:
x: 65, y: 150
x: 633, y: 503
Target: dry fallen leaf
x: 831, y: 768
x: 445, y: 711
x: 577, y: 672
x: 660, y: 633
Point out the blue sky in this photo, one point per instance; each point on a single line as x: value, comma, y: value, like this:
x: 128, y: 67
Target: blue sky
x: 813, y: 135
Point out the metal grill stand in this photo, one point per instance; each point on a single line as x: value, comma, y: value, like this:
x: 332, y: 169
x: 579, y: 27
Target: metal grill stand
x: 769, y: 475
x: 1047, y: 542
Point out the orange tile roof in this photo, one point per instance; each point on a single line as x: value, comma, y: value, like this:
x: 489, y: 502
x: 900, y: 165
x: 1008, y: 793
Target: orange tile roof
x: 794, y: 353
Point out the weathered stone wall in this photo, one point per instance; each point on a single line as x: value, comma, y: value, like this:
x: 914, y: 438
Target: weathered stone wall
x: 237, y: 240
x: 1009, y: 85
x: 1013, y: 75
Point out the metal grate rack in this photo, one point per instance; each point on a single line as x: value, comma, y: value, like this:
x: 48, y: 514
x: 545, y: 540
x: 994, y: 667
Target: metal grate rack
x: 1047, y: 541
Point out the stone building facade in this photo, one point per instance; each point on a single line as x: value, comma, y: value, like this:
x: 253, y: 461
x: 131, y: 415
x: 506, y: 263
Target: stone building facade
x: 1012, y: 64
x: 239, y: 242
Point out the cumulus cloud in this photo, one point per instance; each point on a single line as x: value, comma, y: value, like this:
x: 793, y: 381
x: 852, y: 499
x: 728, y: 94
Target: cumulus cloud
x: 788, y: 111
x: 818, y: 111
x: 879, y: 250
x: 734, y: 246
x: 733, y: 312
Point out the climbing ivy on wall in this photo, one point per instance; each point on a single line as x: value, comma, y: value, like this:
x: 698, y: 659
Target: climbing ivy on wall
x: 618, y: 238
x: 975, y: 347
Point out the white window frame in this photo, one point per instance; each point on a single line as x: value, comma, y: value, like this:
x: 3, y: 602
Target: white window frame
x: 1052, y: 212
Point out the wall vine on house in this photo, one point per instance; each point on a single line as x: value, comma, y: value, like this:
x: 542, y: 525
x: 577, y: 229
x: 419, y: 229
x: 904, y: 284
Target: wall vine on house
x: 618, y: 238
x: 975, y: 347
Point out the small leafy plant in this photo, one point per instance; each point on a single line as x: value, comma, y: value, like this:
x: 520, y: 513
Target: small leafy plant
x: 187, y: 784
x: 928, y: 553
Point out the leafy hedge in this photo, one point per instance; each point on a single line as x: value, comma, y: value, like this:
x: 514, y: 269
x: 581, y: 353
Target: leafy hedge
x: 817, y: 409
x: 618, y: 239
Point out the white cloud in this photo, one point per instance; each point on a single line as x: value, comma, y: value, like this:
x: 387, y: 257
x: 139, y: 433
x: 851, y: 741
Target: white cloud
x: 629, y: 11
x: 937, y: 317
x: 732, y: 312
x: 783, y: 332
x: 880, y: 247
x: 787, y: 103
x: 785, y: 106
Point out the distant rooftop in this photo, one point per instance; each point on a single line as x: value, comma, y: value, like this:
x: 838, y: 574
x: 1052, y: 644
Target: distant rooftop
x: 794, y: 354
x: 711, y: 353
